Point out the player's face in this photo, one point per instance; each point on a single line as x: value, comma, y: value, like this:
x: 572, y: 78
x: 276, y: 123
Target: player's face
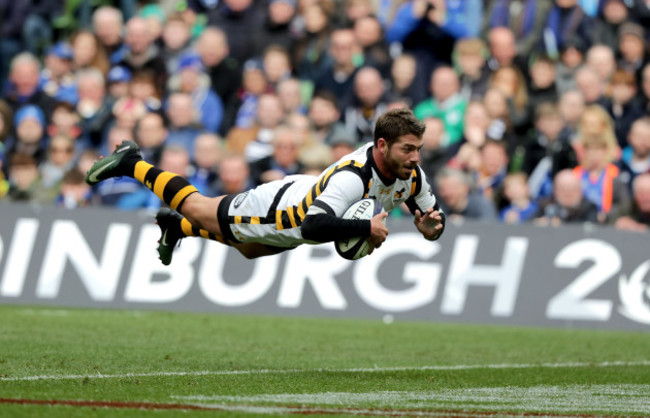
x: 403, y: 156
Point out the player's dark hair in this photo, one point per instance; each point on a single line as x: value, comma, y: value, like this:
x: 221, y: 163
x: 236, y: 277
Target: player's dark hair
x: 396, y: 123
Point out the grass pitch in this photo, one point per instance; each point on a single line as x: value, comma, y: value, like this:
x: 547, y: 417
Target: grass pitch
x: 102, y: 363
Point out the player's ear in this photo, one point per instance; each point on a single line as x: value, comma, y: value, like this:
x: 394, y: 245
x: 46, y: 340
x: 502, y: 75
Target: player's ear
x: 382, y: 144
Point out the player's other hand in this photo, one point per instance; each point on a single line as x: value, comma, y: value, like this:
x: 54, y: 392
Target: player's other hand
x: 429, y: 224
x: 378, y: 230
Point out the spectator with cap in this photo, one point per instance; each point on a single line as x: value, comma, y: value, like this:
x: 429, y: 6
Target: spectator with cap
x: 632, y: 48
x: 176, y: 40
x: 525, y: 18
x: 606, y: 28
x: 254, y: 84
x: 57, y: 79
x: 571, y: 58
x: 276, y: 29
x: 118, y: 82
x: 224, y: 71
x: 24, y: 87
x: 108, y: 25
x: 30, y: 137
x: 191, y: 79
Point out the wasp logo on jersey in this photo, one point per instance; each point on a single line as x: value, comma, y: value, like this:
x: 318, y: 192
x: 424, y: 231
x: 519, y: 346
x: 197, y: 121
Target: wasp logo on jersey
x: 398, y: 194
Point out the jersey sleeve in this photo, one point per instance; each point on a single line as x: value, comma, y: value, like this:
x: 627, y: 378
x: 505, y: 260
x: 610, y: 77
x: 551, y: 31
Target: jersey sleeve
x: 339, y: 191
x: 422, y: 197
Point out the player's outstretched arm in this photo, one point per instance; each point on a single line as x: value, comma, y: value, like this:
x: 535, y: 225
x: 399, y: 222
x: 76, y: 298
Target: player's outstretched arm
x: 431, y: 223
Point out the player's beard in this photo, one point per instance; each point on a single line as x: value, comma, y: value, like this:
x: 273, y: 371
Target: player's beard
x: 401, y: 170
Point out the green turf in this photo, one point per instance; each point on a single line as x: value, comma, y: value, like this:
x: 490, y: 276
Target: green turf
x: 313, y: 357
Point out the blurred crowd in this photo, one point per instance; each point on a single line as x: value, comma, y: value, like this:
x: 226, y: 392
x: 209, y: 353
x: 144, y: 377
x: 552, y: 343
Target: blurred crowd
x: 536, y: 110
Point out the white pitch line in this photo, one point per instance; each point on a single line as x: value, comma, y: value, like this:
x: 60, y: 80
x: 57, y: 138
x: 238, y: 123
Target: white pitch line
x: 352, y: 370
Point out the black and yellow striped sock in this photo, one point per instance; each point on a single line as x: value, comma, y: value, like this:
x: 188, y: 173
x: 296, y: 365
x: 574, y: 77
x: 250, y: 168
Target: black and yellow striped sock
x: 190, y: 230
x: 169, y: 187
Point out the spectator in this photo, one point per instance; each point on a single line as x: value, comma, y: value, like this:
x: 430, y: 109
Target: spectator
x: 474, y: 73
x: 339, y: 76
x: 623, y: 108
x: 644, y: 92
x: 176, y: 39
x: 510, y: 81
x: 368, y: 103
x: 288, y: 91
x: 282, y: 162
x: 475, y: 126
x: 571, y: 58
x: 342, y: 143
x: 591, y: 86
x: 127, y: 111
x: 156, y: 20
x: 223, y: 70
x: 254, y: 85
x: 269, y: 117
x: 433, y: 156
x: 636, y: 215
x: 571, y: 106
x: 276, y: 64
x: 108, y: 25
x: 237, y: 18
x: 139, y: 52
x: 276, y: 29
x: 25, y: 183
x: 459, y: 201
x: 234, y: 175
x: 595, y: 121
x: 30, y: 139
x: 635, y: 158
x: 37, y: 32
x: 207, y: 154
x: 602, y: 60
x: 599, y: 175
x: 402, y: 80
x: 88, y: 52
x: 65, y: 122
x: 542, y: 87
x: 370, y: 38
x: 94, y: 106
x: 525, y: 18
x: 118, y: 82
x: 494, y: 167
x: 57, y: 79
x: 606, y: 29
x: 310, y: 55
x: 566, y: 20
x: 75, y: 192
x: 60, y: 159
x: 191, y: 79
x: 150, y: 135
x: 446, y: 103
x: 547, y: 151
x: 143, y: 87
x: 567, y: 205
x: 184, y: 125
x: 6, y: 121
x: 500, y: 126
x: 632, y: 48
x: 519, y: 208
x: 324, y: 115
x: 23, y: 88
x: 503, y: 49
x: 13, y: 15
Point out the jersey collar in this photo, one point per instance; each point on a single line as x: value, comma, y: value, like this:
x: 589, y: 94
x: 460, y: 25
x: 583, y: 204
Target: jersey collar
x: 373, y: 164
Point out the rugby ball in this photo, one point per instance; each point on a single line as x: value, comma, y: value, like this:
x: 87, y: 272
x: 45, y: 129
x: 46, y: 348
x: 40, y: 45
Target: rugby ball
x: 355, y: 248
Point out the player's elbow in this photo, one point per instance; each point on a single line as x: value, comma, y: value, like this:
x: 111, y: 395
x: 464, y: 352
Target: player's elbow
x: 310, y: 229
